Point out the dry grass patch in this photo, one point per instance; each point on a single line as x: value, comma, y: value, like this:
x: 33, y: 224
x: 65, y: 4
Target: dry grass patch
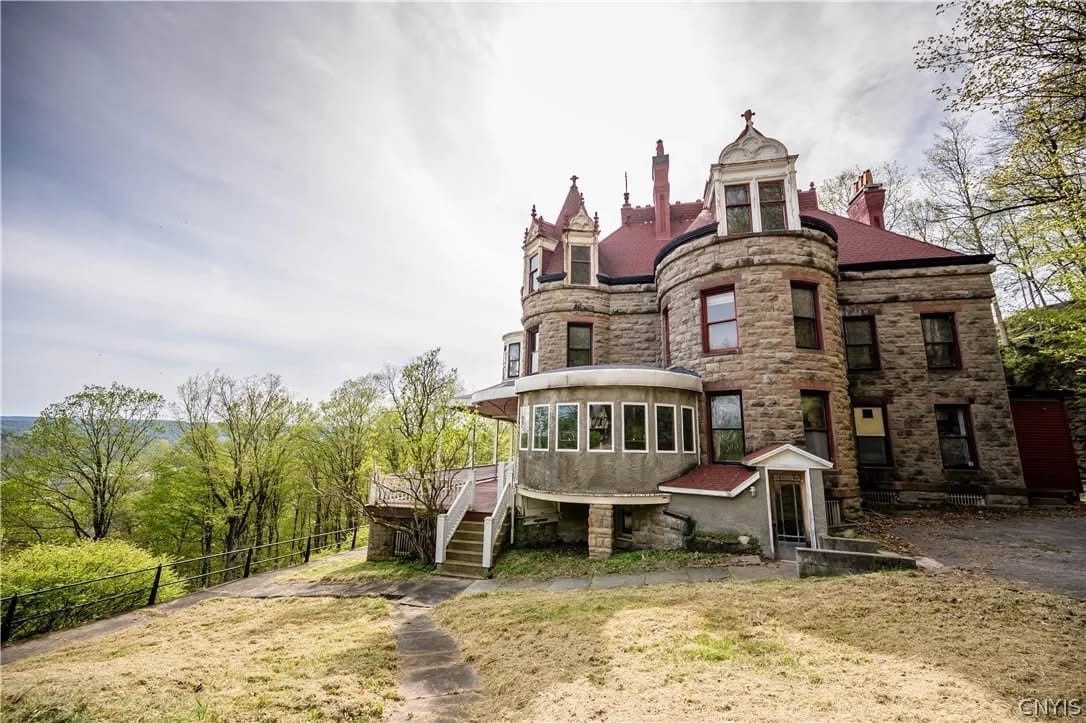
x: 224, y: 659
x: 356, y: 569
x: 891, y: 646
x: 546, y: 563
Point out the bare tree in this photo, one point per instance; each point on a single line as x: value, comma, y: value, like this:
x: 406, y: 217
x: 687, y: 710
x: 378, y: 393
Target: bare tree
x: 82, y: 455
x: 835, y: 193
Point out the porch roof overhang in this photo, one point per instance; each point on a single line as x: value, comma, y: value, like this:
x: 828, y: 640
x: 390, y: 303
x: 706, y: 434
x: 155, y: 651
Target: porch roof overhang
x: 785, y: 456
x: 495, y: 402
x: 598, y: 498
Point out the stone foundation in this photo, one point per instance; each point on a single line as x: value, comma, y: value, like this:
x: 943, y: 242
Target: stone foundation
x: 652, y: 530
x: 381, y: 544
x: 601, y: 530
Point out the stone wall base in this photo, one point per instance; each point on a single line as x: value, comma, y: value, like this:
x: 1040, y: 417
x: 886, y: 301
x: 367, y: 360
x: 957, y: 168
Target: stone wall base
x: 381, y: 544
x: 601, y: 531
x: 652, y: 529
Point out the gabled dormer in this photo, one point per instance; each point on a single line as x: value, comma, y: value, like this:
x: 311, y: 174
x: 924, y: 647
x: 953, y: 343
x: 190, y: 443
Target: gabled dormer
x: 539, y: 237
x: 582, y: 257
x: 752, y: 187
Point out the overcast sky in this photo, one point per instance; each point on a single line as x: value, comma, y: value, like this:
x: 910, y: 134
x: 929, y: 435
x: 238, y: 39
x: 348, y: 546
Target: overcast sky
x: 316, y: 190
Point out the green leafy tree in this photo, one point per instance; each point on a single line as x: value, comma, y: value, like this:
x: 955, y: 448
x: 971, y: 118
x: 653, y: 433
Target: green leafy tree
x: 82, y: 457
x: 423, y: 446
x: 835, y: 193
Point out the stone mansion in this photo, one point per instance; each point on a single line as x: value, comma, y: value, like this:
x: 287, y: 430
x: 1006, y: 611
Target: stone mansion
x: 746, y: 363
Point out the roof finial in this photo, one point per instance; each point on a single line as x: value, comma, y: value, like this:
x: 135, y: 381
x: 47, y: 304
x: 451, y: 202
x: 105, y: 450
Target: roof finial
x: 748, y: 114
x: 596, y: 221
x: 626, y: 193
x: 525, y: 233
x: 812, y: 186
x: 574, y: 179
x: 533, y: 210
x: 659, y: 147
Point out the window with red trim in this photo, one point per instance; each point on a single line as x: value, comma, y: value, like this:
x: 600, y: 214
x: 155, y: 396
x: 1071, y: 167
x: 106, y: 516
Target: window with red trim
x: 940, y: 341
x: 805, y: 317
x: 816, y: 424
x: 720, y: 329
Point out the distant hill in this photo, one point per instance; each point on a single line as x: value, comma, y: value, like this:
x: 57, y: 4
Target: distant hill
x: 15, y: 426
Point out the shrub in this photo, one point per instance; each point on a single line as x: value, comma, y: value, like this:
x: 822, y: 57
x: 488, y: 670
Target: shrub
x: 45, y: 566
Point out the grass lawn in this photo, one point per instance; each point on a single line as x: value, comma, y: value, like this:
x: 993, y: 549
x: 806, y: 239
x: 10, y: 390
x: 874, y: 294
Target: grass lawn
x: 223, y: 659
x: 545, y: 563
x: 356, y: 569
x: 873, y: 647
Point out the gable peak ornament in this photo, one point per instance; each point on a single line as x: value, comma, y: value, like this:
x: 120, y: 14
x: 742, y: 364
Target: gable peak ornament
x: 748, y: 116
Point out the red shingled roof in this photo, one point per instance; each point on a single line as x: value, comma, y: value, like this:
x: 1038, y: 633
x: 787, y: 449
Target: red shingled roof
x: 759, y: 452
x: 630, y: 249
x: 712, y: 478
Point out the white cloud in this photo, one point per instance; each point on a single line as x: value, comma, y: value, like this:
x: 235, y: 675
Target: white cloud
x: 319, y: 189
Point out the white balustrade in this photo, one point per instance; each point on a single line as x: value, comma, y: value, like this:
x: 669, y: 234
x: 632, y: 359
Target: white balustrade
x: 492, y: 525
x: 448, y: 521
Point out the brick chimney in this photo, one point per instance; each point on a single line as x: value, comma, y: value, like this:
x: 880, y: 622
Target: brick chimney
x: 867, y: 201
x: 661, y: 193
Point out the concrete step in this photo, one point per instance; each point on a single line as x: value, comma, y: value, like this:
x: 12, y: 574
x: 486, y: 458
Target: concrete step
x: 459, y: 569
x: 472, y: 525
x: 462, y: 546
x: 470, y: 537
x: 472, y: 557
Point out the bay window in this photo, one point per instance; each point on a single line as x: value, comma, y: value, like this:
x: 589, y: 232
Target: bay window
x: 541, y: 427
x: 567, y: 424
x: 634, y: 427
x: 600, y: 425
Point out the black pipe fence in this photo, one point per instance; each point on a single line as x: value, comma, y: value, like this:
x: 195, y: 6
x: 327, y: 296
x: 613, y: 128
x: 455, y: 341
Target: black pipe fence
x: 65, y: 606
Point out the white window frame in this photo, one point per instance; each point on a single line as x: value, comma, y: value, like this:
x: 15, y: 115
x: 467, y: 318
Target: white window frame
x: 693, y: 428
x: 577, y: 408
x: 674, y: 428
x: 756, y: 190
x: 646, y: 407
x: 520, y: 359
x: 588, y: 432
x: 547, y: 446
x: 525, y: 430
x: 591, y: 264
x: 533, y: 285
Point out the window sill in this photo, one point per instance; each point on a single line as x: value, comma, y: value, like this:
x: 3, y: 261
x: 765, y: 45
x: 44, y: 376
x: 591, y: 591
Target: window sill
x: 944, y: 370
x: 872, y: 370
x: 811, y: 350
x: 721, y: 352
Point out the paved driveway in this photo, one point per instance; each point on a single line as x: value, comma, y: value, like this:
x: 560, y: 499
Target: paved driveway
x: 1045, y: 550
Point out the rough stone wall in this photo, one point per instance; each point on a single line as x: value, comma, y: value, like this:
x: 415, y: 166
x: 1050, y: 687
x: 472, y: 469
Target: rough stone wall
x: 625, y: 322
x: 381, y: 543
x: 652, y: 529
x: 601, y: 529
x: 767, y: 367
x: 897, y: 298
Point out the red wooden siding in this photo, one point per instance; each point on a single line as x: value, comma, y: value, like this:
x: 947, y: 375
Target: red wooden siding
x: 1044, y: 444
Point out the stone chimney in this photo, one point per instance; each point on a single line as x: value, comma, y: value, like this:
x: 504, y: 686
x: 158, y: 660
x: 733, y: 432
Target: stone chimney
x: 661, y: 193
x: 867, y: 201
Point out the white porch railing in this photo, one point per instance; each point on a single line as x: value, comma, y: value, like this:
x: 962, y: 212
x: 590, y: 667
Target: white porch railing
x: 448, y: 521
x: 492, y: 524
